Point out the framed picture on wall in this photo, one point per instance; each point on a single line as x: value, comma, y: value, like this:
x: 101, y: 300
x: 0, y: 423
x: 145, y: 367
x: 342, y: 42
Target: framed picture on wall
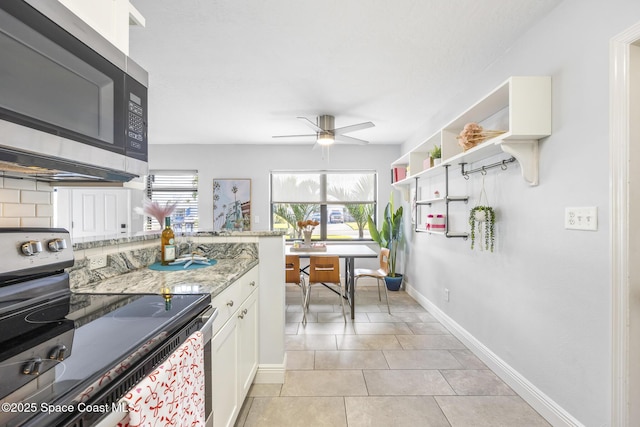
x: 232, y: 204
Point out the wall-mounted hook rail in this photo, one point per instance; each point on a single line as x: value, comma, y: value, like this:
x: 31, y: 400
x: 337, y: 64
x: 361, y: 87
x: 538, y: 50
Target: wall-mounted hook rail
x: 483, y: 170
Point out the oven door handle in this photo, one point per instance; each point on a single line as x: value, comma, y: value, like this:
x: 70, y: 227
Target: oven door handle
x: 208, y: 317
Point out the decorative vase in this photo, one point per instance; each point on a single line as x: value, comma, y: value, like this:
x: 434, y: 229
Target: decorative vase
x: 307, y: 237
x: 437, y: 161
x: 393, y: 283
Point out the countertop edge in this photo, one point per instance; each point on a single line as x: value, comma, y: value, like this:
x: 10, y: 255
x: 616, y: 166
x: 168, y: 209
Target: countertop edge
x: 186, y: 282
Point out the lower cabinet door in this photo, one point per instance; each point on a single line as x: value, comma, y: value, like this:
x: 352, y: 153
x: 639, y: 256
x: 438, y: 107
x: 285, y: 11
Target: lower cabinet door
x: 247, y: 343
x: 224, y: 373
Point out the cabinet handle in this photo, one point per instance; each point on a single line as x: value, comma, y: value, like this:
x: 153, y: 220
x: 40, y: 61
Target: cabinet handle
x: 230, y: 303
x: 252, y: 283
x: 242, y: 314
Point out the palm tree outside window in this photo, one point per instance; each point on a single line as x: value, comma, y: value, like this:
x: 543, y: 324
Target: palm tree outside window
x: 340, y: 200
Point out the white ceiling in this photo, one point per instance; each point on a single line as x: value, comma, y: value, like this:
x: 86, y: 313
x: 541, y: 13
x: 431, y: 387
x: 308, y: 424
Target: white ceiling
x: 240, y: 71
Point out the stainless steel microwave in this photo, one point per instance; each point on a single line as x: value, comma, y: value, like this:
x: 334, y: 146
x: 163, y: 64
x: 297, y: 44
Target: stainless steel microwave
x: 82, y: 91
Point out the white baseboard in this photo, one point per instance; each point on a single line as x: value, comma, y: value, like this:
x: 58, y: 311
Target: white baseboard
x: 270, y: 374
x: 542, y: 403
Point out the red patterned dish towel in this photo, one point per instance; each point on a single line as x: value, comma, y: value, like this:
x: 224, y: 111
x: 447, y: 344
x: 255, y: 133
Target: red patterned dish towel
x: 172, y: 395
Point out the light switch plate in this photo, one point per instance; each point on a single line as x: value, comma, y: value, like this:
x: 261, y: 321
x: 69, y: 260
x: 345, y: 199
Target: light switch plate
x: 584, y: 218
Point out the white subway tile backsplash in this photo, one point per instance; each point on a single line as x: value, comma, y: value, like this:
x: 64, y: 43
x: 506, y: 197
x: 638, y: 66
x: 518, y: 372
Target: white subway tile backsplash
x: 35, y: 222
x: 19, y: 210
x: 19, y: 184
x: 25, y: 203
x: 38, y: 197
x: 44, y: 186
x: 44, y: 210
x: 9, y: 222
x: 9, y: 195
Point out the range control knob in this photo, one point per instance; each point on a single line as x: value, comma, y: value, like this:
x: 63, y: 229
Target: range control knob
x: 32, y: 247
x: 58, y: 353
x: 56, y: 245
x: 32, y: 367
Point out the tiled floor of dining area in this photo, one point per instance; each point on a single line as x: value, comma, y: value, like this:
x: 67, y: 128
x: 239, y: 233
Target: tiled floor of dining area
x: 403, y: 369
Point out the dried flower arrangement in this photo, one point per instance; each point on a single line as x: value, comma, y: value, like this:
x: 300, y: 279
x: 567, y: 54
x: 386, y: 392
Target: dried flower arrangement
x: 157, y: 211
x: 307, y: 225
x: 473, y: 134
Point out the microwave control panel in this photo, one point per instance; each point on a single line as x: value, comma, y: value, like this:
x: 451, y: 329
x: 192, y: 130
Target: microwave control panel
x: 136, y: 120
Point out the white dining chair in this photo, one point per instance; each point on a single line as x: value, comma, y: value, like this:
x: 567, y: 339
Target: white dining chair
x: 378, y: 274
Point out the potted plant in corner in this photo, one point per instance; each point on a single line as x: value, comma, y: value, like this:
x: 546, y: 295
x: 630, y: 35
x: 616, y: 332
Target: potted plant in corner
x: 389, y: 236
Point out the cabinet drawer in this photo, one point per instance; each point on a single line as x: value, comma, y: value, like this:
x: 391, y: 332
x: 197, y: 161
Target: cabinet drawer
x: 227, y: 302
x: 248, y: 283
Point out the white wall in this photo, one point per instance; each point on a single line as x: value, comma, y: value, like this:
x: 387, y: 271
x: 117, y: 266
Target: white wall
x: 541, y: 302
x: 256, y: 161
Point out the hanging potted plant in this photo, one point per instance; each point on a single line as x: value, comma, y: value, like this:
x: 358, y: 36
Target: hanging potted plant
x: 482, y: 220
x: 389, y: 236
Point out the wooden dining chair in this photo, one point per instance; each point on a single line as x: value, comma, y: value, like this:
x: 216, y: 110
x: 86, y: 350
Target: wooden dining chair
x: 378, y: 274
x: 326, y: 269
x: 295, y: 276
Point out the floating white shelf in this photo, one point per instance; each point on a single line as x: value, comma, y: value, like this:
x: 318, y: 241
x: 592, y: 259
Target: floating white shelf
x: 521, y: 107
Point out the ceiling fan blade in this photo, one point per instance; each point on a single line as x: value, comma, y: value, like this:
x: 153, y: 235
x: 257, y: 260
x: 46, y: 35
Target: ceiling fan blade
x: 312, y: 125
x: 350, y: 140
x: 353, y: 128
x: 294, y: 136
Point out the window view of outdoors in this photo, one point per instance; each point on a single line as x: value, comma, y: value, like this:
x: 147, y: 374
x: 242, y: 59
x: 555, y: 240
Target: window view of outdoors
x: 340, y: 202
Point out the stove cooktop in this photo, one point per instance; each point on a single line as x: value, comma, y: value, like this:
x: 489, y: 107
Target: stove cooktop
x: 109, y: 335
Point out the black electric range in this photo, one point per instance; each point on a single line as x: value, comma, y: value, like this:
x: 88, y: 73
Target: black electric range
x: 66, y: 358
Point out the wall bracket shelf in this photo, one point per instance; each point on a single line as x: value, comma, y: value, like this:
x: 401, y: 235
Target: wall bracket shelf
x: 521, y: 107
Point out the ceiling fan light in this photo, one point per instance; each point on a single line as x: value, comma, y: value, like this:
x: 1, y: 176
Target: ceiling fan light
x: 325, y: 138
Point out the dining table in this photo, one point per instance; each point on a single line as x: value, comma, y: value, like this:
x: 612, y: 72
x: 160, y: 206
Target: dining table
x: 348, y: 252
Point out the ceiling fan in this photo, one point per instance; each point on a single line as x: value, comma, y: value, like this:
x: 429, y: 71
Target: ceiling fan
x: 326, y: 133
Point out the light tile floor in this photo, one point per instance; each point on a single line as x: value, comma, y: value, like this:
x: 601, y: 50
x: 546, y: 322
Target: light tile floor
x: 403, y: 369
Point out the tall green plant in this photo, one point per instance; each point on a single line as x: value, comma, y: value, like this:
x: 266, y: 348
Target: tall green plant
x: 390, y: 235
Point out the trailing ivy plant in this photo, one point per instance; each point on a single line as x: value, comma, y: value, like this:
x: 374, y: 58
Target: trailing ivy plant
x: 478, y: 216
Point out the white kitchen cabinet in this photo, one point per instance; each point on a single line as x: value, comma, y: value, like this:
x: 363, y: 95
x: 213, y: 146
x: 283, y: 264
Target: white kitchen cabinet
x: 234, y: 349
x: 247, y: 344
x: 110, y: 18
x: 224, y: 373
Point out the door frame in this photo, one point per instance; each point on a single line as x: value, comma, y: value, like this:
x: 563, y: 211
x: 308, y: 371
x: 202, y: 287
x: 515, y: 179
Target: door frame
x: 619, y: 145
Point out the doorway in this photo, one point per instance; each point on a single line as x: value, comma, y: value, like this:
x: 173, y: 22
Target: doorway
x: 625, y: 222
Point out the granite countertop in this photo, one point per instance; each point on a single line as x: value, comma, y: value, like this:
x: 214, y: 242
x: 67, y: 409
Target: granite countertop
x: 100, y: 241
x: 213, y: 279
